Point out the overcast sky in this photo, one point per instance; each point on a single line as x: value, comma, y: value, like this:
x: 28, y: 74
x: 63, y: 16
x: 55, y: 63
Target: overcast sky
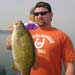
x: 63, y: 11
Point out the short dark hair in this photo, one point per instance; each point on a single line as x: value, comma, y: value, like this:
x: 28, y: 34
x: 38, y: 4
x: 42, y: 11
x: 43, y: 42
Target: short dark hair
x: 43, y: 4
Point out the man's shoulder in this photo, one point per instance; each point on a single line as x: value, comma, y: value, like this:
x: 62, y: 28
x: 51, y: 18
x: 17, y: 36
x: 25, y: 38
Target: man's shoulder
x: 63, y: 33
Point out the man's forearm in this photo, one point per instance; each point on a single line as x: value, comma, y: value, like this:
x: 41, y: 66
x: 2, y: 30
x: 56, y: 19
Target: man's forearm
x: 70, y: 70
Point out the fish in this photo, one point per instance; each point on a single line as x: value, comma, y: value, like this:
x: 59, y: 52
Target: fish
x: 23, y: 49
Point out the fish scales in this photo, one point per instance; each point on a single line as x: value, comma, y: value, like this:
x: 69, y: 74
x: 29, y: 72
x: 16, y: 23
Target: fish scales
x: 23, y: 49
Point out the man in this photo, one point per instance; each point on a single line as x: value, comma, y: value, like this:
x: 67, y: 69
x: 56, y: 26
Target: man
x: 52, y: 45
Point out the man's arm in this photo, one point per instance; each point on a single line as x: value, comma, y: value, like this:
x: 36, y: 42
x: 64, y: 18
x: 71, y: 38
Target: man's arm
x: 8, y: 39
x: 8, y: 42
x: 69, y: 67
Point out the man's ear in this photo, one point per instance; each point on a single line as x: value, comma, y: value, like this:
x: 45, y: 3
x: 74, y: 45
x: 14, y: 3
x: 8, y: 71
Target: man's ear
x: 51, y: 16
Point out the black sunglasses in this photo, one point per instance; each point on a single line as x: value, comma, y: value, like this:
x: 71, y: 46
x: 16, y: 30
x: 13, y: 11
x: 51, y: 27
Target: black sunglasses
x: 40, y: 13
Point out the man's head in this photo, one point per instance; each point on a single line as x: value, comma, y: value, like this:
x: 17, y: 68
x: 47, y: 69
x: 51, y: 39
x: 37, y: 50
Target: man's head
x: 43, y: 13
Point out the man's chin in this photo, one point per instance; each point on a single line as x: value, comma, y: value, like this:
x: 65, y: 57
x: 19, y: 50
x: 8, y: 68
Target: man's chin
x: 41, y: 23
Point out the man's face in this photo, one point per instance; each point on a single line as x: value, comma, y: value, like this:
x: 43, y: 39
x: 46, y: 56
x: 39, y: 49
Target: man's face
x: 42, y: 16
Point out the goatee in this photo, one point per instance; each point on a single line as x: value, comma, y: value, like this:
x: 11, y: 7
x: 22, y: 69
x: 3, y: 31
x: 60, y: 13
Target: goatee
x: 41, y: 23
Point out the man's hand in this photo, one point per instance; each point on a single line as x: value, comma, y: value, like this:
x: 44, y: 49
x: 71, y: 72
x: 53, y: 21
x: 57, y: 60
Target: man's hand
x: 11, y: 28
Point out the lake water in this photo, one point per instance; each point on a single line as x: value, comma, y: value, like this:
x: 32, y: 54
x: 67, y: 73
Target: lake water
x: 5, y: 55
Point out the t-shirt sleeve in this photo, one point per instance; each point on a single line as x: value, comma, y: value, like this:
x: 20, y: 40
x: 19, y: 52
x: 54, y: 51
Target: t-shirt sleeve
x: 68, y: 50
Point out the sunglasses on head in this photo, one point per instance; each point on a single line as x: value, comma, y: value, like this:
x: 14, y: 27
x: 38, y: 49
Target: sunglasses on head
x: 40, y: 13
